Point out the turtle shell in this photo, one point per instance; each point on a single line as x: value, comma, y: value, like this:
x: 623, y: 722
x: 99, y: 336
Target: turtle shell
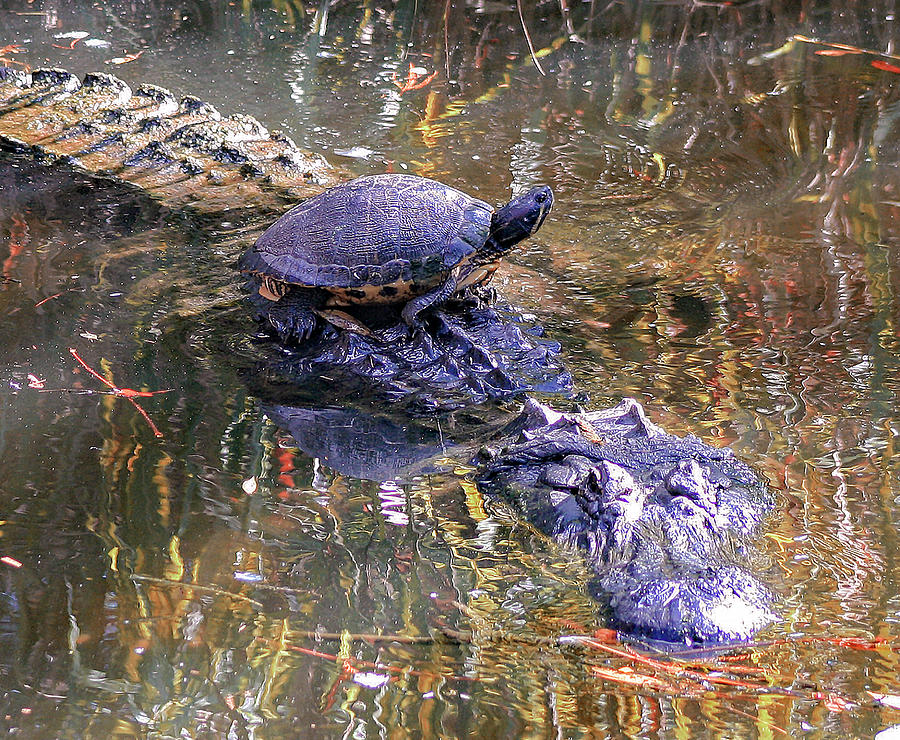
x: 401, y: 234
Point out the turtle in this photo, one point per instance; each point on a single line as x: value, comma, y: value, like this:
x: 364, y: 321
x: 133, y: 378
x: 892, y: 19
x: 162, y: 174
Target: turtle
x: 381, y: 239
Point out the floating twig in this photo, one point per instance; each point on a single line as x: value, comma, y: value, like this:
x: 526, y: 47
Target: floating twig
x: 127, y: 58
x: 373, y: 638
x: 71, y: 43
x: 129, y: 394
x: 414, y: 80
x: 198, y: 587
x: 11, y: 49
x: 846, y: 48
x: 48, y: 298
x: 356, y: 664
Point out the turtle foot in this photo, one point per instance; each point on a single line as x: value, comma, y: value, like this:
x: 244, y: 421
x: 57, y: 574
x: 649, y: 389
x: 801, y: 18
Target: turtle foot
x: 293, y: 318
x: 295, y: 326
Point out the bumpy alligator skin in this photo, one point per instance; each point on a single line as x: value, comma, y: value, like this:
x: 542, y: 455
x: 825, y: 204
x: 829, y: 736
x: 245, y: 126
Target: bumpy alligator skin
x: 183, y: 153
x: 464, y: 354
x: 667, y: 523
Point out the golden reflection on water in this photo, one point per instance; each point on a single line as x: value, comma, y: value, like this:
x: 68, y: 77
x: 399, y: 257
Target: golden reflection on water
x: 723, y: 248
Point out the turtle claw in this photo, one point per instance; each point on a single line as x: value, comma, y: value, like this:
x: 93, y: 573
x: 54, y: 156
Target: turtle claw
x: 293, y: 326
x: 292, y: 318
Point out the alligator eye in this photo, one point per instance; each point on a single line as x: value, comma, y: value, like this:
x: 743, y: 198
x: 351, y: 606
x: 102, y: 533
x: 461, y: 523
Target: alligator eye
x: 540, y: 197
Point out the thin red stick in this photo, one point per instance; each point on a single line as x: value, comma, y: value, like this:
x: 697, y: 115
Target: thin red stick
x: 356, y: 664
x: 48, y: 298
x: 127, y: 393
x: 156, y: 433
x: 91, y: 370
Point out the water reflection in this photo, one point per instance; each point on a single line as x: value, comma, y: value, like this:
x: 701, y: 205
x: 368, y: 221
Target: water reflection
x: 360, y: 445
x: 724, y: 248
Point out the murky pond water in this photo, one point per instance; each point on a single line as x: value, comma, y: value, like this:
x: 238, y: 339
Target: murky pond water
x: 724, y: 247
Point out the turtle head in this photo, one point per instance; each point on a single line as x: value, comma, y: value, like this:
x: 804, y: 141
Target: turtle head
x: 520, y: 218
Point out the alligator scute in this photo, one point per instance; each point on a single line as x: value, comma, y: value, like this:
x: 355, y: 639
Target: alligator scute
x: 148, y: 138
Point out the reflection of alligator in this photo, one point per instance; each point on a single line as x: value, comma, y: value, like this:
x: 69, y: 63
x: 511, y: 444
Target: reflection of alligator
x: 666, y: 522
x: 182, y: 153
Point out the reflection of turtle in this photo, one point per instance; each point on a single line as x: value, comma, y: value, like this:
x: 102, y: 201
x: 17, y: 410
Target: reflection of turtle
x: 383, y: 239
x: 358, y: 444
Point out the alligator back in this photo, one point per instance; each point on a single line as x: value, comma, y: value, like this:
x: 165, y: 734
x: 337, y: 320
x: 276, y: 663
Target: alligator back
x: 183, y: 153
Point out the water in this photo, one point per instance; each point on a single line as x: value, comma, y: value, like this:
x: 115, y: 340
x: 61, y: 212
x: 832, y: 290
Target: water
x: 723, y: 248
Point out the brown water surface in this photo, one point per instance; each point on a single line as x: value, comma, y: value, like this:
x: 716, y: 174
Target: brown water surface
x: 724, y: 247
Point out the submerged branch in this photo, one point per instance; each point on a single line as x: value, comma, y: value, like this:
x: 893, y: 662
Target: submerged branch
x: 528, y: 39
x: 198, y: 587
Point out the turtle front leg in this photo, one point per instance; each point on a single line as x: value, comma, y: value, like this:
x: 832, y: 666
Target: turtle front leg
x: 293, y: 316
x: 411, y: 310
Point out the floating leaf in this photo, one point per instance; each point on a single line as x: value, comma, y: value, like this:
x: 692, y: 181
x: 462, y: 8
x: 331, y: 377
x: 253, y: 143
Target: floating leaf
x: 836, y: 52
x: 885, y: 66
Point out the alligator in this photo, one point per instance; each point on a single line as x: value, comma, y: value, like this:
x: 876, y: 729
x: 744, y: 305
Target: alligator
x: 667, y: 524
x: 185, y: 155
x: 471, y: 349
x: 182, y: 153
